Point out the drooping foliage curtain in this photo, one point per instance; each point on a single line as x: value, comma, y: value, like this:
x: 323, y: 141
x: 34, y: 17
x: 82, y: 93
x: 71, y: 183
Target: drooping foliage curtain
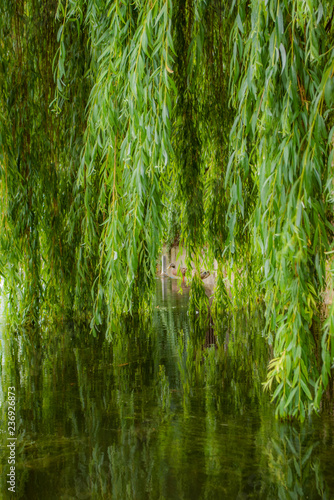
x: 282, y: 134
x: 115, y: 114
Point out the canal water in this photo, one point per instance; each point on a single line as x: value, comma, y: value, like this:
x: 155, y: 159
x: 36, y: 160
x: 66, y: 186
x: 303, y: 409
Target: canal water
x: 170, y: 409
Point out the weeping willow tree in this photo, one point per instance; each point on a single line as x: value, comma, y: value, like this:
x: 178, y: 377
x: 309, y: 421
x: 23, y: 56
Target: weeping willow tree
x: 113, y: 111
x: 41, y: 205
x: 283, y: 93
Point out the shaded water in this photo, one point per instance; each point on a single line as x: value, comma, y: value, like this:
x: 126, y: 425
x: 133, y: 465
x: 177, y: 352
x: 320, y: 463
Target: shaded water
x: 165, y: 411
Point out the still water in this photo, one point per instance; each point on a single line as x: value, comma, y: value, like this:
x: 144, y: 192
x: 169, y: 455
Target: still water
x: 167, y: 410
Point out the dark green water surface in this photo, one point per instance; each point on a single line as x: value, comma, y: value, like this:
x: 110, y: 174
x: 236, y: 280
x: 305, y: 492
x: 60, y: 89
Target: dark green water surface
x: 166, y: 410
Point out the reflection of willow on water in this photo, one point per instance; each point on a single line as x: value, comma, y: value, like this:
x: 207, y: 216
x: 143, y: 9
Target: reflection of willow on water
x: 38, y: 366
x: 121, y: 419
x: 293, y: 469
x: 236, y: 360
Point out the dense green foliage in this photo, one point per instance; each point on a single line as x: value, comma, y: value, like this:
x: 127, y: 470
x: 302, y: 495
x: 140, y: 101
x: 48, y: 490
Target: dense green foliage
x: 284, y: 100
x: 117, y: 115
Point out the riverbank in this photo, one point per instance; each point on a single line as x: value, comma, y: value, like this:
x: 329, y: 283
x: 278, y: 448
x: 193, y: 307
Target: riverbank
x: 178, y: 256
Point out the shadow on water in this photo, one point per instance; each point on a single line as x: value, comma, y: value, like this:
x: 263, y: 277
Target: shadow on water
x: 166, y: 411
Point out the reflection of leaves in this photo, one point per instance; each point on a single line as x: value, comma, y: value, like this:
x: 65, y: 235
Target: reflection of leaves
x: 308, y: 453
x: 48, y: 452
x: 118, y: 431
x: 291, y: 466
x: 164, y: 389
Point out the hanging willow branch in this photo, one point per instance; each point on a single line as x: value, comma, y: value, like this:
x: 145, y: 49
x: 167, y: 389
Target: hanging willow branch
x: 114, y: 114
x: 283, y: 94
x: 126, y: 145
